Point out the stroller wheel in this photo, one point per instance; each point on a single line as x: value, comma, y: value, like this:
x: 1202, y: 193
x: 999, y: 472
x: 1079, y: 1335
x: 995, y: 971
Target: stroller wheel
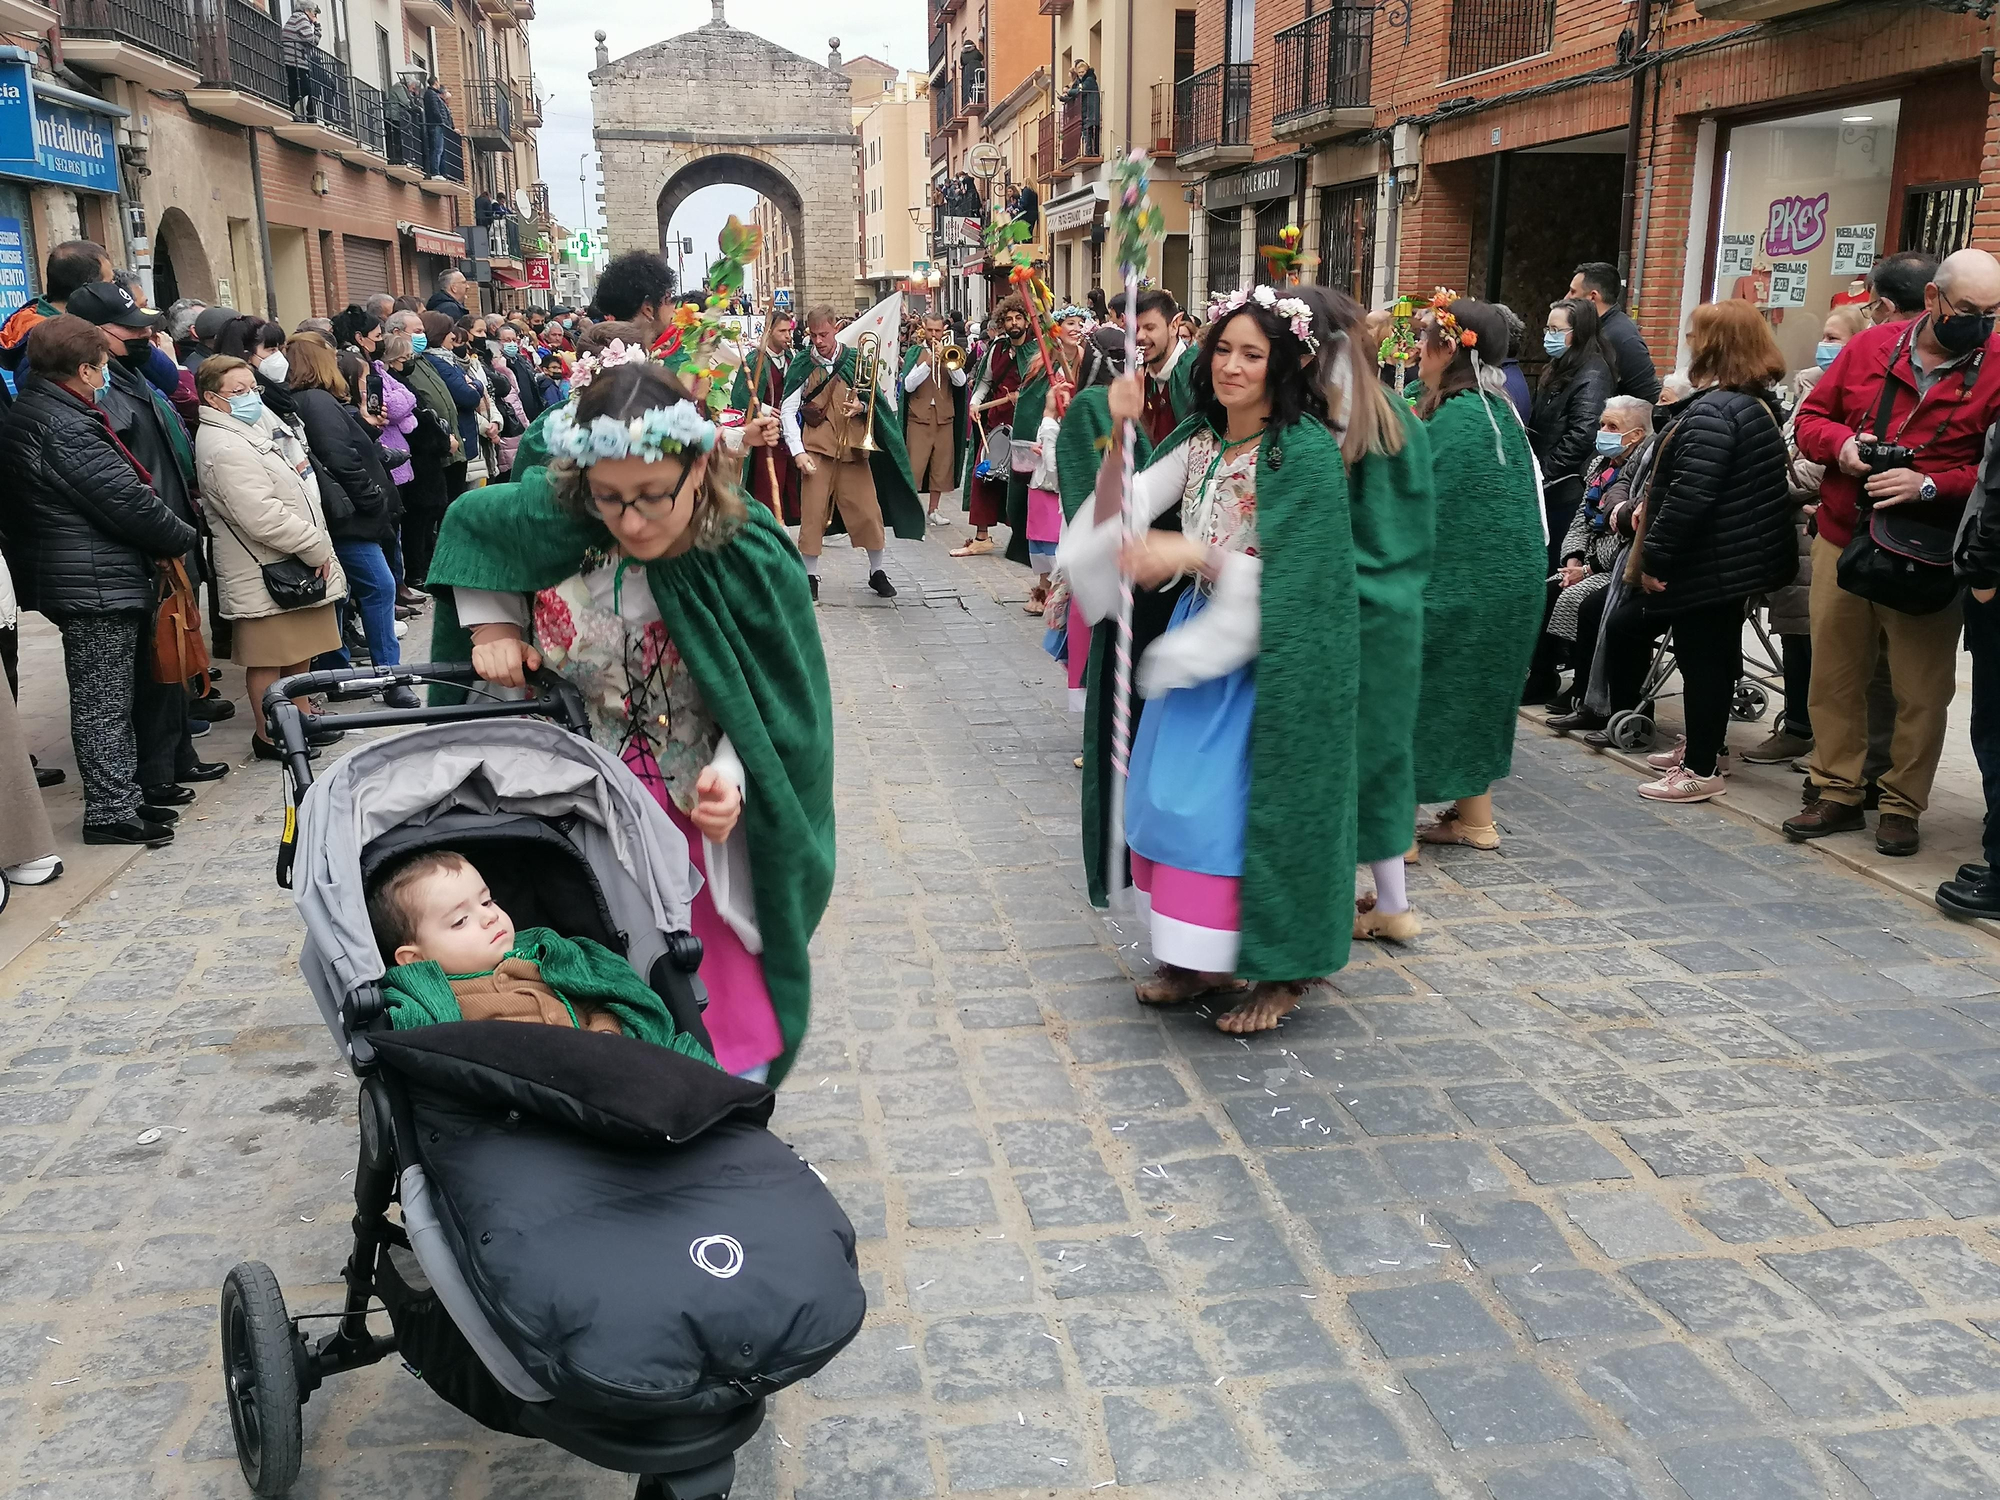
x: 1630, y: 731
x: 260, y: 1369
x: 1749, y: 703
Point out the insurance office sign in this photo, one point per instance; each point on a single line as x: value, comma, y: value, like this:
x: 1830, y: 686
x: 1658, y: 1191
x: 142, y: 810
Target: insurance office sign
x: 48, y: 141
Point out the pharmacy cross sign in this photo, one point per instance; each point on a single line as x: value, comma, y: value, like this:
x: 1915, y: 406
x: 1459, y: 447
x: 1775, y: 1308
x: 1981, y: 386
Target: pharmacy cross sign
x: 581, y: 245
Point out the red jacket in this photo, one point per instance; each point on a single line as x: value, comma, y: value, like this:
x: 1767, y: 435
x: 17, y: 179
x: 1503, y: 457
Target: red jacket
x: 1845, y: 400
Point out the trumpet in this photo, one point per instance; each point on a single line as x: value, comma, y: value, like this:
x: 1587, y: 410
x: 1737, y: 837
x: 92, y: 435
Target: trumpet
x: 867, y: 383
x: 952, y: 358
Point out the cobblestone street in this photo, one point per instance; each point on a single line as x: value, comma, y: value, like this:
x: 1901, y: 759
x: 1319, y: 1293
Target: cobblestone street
x: 1663, y: 1166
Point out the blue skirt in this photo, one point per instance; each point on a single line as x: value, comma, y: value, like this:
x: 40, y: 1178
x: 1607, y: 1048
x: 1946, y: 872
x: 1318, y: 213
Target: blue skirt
x: 1188, y: 801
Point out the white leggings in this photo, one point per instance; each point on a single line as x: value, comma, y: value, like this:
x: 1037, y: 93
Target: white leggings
x: 1389, y: 893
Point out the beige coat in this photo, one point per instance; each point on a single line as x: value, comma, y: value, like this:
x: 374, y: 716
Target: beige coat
x: 262, y: 500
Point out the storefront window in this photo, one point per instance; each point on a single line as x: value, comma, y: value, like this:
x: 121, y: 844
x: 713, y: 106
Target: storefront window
x: 1806, y: 209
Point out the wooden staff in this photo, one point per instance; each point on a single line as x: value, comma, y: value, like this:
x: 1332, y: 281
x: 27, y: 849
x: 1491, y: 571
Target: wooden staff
x: 756, y: 402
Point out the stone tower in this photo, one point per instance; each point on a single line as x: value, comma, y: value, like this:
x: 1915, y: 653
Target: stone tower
x: 718, y: 105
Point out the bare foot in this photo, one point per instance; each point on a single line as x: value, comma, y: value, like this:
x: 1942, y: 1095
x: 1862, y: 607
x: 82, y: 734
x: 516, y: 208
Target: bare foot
x: 1171, y: 985
x: 1268, y: 1004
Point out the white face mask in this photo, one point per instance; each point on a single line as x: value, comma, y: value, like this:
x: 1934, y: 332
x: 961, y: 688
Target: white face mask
x: 274, y: 367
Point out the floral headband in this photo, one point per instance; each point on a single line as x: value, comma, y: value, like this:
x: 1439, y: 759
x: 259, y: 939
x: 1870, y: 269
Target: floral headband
x: 1292, y: 309
x: 617, y: 352
x: 651, y: 436
x: 1070, y: 310
x: 1446, y: 325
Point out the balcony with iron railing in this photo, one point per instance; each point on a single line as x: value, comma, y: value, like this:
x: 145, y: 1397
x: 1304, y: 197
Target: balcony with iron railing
x: 489, y: 114
x: 371, y: 128
x: 1161, y: 142
x: 1212, y: 117
x: 972, y: 92
x: 538, y: 202
x: 451, y: 165
x: 403, y: 138
x: 531, y: 105
x: 1045, y: 147
x: 322, y: 99
x: 1321, y: 66
x: 1082, y: 131
x: 239, y: 51
x: 1489, y: 34
x: 148, y: 41
x: 944, y: 98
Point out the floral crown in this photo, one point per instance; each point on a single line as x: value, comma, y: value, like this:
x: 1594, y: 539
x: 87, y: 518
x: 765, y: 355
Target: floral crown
x: 675, y: 428
x: 1292, y: 309
x: 617, y: 352
x: 1446, y: 325
x: 1070, y: 310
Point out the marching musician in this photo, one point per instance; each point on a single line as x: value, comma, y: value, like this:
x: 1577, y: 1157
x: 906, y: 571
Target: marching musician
x: 933, y: 411
x: 825, y: 426
x: 776, y: 354
x: 994, y: 391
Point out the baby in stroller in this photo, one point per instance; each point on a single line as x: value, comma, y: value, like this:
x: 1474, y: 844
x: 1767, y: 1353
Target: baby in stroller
x: 458, y: 958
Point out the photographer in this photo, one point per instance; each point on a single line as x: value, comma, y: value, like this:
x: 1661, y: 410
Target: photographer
x: 1899, y: 420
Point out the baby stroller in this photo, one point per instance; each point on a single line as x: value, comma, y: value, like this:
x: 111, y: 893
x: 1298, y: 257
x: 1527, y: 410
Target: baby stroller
x: 595, y: 1241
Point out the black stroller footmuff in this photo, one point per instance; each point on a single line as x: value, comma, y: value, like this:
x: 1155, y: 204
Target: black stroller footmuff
x: 645, y: 1248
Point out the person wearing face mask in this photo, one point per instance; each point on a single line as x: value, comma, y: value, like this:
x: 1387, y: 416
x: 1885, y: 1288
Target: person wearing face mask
x: 433, y: 444
x: 1589, y: 549
x: 260, y: 489
x: 87, y: 530
x: 634, y: 566
x: 441, y: 357
x: 518, y: 355
x: 152, y: 430
x: 1931, y: 388
x: 1569, y: 399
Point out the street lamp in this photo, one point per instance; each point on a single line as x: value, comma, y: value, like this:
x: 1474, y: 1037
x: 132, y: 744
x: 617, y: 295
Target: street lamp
x: 583, y: 188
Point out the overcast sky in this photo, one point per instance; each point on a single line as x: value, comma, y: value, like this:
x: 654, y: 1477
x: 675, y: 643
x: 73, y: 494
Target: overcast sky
x: 565, y: 52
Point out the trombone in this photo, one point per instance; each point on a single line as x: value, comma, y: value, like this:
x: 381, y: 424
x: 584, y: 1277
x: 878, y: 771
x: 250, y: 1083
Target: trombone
x: 867, y: 383
x: 951, y: 358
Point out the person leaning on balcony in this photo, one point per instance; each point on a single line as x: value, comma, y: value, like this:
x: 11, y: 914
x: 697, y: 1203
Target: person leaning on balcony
x: 437, y: 120
x: 1089, y: 103
x: 302, y: 56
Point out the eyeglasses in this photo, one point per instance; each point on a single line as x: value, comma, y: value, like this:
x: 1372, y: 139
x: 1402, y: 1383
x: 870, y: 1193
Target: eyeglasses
x: 649, y: 507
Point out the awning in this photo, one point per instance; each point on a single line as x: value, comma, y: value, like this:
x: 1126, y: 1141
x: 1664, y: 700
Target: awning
x: 435, y: 241
x: 509, y: 279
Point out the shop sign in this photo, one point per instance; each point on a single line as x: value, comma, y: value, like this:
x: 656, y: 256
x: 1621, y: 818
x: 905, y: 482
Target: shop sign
x: 52, y: 142
x: 1853, y: 249
x: 1738, y: 256
x: 1795, y: 225
x: 1253, y: 184
x: 13, y: 263
x: 958, y: 232
x: 435, y: 241
x: 1788, y: 283
x: 535, y: 272
x: 1073, y: 213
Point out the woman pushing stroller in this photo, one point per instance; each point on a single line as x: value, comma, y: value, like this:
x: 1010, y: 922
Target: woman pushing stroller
x: 632, y: 565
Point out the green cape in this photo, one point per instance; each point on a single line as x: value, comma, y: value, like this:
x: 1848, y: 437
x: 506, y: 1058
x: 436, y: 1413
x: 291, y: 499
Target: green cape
x: 742, y: 619
x: 580, y: 971
x: 958, y: 399
x: 1298, y: 862
x: 534, y: 450
x: 1484, y: 601
x: 895, y: 491
x: 1394, y: 510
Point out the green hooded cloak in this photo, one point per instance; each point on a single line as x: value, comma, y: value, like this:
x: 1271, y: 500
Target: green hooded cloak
x: 1394, y: 509
x: 895, y: 490
x: 742, y: 619
x: 1297, y: 890
x: 534, y: 450
x: 1483, y: 604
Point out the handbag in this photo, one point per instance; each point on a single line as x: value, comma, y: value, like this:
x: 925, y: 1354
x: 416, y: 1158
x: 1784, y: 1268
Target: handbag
x: 289, y: 582
x: 1900, y: 556
x: 179, y: 653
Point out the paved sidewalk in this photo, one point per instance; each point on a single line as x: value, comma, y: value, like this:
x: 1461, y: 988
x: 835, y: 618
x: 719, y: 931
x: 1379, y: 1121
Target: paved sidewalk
x: 1663, y: 1166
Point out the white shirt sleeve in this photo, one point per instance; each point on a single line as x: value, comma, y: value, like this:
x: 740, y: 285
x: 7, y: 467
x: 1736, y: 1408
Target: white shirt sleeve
x: 1088, y: 552
x: 958, y: 377
x: 919, y: 373
x: 490, y: 607
x: 728, y: 863
x: 788, y: 422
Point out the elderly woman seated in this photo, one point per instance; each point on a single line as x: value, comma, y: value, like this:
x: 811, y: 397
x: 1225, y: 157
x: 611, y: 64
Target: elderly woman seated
x: 1602, y: 524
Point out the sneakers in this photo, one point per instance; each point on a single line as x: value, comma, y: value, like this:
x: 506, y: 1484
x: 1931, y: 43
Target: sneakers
x: 402, y: 630
x: 938, y: 518
x: 1682, y: 785
x: 1668, y: 760
x: 35, y: 871
x: 1820, y: 818
x: 1778, y: 746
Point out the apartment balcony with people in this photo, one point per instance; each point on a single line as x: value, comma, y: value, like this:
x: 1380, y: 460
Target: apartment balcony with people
x: 489, y: 114
x: 972, y: 87
x: 450, y: 176
x: 1212, y: 118
x: 1082, y: 132
x: 147, y: 41
x: 322, y: 99
x: 240, y: 52
x: 1320, y: 74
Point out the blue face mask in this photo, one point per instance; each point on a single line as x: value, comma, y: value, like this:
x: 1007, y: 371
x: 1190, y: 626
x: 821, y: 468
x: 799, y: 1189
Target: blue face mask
x: 1610, y: 444
x: 508, y: 351
x: 1824, y: 353
x: 104, y: 378
x: 247, y: 407
x: 419, y: 342
x: 1554, y: 343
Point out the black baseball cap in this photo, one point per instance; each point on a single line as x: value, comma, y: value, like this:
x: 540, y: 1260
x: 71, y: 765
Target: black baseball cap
x: 210, y: 321
x: 103, y: 302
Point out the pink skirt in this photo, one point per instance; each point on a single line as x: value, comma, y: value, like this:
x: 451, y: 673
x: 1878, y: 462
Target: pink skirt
x: 740, y: 1018
x: 1045, y: 517
x: 1196, y: 919
x: 1079, y: 654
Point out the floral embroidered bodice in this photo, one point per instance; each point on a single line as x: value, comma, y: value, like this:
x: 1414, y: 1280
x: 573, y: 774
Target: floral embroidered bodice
x: 1219, y: 500
x: 602, y: 629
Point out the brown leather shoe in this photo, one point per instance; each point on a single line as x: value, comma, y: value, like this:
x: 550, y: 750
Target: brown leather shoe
x: 1821, y: 817
x: 1895, y: 834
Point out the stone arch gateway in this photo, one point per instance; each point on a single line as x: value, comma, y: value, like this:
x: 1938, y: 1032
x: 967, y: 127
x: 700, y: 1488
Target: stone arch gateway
x: 719, y: 105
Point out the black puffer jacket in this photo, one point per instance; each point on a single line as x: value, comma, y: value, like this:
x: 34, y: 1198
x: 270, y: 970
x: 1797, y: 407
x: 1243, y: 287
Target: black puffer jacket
x: 357, y: 509
x: 1563, y: 426
x: 1978, y: 555
x: 1718, y: 513
x: 83, y: 529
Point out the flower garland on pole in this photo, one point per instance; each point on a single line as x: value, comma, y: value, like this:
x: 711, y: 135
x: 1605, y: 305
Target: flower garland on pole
x: 1137, y: 224
x: 693, y: 345
x: 1007, y: 244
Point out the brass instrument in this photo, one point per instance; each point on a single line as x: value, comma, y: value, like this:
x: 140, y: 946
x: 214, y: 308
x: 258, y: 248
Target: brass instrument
x: 952, y: 359
x: 867, y: 384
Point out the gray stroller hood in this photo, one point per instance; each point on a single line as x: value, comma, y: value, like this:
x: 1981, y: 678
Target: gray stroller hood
x: 495, y: 766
